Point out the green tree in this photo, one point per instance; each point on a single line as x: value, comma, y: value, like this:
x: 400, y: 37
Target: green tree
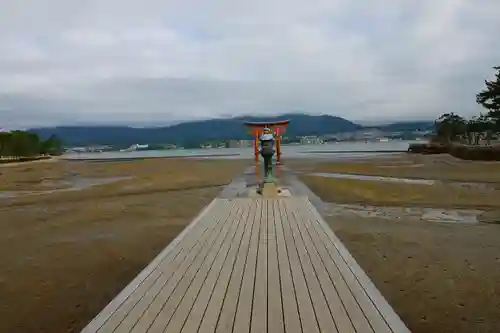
x: 449, y: 125
x: 477, y: 127
x: 27, y: 144
x: 24, y: 144
x: 489, y: 98
x: 473, y: 127
x: 5, y: 138
x: 52, y: 146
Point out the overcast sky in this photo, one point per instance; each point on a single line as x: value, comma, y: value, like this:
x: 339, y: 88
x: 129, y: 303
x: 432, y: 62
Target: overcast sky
x: 162, y: 61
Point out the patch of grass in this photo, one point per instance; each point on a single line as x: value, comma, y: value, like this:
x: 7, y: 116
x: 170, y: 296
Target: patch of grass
x: 399, y: 194
x: 442, y: 167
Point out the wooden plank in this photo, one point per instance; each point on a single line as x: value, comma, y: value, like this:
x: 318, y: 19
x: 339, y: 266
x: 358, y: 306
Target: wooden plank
x: 258, y: 322
x: 150, y: 287
x: 355, y: 315
x: 328, y: 287
x: 209, y: 321
x: 274, y: 301
x: 323, y: 315
x: 376, y: 320
x: 245, y: 302
x: 307, y: 314
x: 187, y: 301
x: 182, y: 300
x: 195, y: 316
x: 365, y: 291
x: 229, y: 307
x: 149, y: 310
x: 147, y: 272
x: 252, y: 265
x: 161, y: 311
x: 289, y: 301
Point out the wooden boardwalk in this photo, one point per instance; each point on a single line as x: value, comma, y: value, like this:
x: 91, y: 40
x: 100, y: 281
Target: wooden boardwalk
x: 252, y: 265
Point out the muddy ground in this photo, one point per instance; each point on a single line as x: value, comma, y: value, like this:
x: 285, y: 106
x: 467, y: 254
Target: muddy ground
x: 442, y: 167
x: 65, y: 255
x: 440, y: 277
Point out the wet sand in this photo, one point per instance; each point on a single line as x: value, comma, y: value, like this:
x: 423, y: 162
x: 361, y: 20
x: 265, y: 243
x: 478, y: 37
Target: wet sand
x: 439, y: 277
x: 438, y: 167
x: 65, y: 255
x: 379, y: 193
x: 441, y: 272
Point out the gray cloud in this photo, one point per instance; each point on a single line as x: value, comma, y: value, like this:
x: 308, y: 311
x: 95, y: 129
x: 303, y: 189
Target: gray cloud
x: 157, y: 62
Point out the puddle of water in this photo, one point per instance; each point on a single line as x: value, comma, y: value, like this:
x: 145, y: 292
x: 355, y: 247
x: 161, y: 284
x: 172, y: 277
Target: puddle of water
x: 462, y: 185
x: 460, y: 216
x: 377, y: 178
x: 76, y: 183
x: 463, y: 216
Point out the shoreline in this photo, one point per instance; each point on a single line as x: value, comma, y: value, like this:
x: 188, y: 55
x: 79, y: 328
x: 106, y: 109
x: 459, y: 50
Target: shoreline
x: 377, y: 151
x: 27, y: 160
x: 369, y: 154
x: 133, y: 158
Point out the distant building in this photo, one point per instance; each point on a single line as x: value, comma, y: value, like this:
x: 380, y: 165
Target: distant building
x: 136, y: 147
x: 239, y: 143
x: 310, y: 140
x: 370, y: 135
x: 90, y: 149
x: 422, y: 133
x: 246, y: 143
x: 361, y: 135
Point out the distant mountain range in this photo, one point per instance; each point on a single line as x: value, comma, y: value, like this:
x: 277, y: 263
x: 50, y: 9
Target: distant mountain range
x: 195, y: 132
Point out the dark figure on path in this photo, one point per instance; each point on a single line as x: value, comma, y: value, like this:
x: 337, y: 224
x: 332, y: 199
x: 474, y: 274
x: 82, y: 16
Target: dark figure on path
x: 267, y: 152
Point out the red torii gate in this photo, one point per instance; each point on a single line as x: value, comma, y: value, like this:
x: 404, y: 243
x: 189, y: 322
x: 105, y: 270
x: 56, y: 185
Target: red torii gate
x: 278, y: 128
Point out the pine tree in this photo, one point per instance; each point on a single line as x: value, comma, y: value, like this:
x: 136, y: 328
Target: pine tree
x: 489, y: 98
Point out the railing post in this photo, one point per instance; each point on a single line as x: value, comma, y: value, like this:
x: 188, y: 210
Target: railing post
x: 278, y: 145
x: 256, y: 145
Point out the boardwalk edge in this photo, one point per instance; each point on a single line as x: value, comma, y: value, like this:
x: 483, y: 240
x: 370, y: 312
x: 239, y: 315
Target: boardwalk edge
x: 391, y: 317
x: 111, y: 308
